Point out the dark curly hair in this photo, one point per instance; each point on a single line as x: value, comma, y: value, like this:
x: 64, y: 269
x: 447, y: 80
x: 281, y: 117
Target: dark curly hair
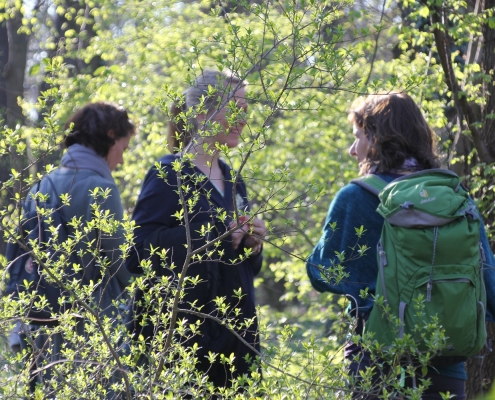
x: 92, y: 123
x: 396, y: 130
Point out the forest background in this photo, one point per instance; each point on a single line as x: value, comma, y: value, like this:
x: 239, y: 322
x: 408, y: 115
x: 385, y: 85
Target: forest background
x: 305, y: 61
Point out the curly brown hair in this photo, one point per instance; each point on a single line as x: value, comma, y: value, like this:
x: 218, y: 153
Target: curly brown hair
x: 90, y: 126
x: 396, y: 130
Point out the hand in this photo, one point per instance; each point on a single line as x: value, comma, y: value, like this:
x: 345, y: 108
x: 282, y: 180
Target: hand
x: 252, y: 232
x: 256, y: 235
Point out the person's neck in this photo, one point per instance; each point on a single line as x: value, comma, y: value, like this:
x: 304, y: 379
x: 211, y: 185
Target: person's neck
x: 205, y: 160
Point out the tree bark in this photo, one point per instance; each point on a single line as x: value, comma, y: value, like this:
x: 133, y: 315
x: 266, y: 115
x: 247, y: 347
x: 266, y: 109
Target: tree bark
x: 13, y: 49
x: 461, y: 103
x: 15, y: 69
x: 85, y: 33
x: 481, y: 370
x: 488, y: 68
x: 4, y: 160
x: 4, y: 57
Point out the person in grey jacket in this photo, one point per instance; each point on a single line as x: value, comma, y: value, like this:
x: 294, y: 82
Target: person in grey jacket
x: 98, y: 135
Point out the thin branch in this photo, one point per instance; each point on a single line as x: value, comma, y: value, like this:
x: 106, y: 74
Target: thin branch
x: 376, y: 44
x: 180, y: 283
x: 258, y: 353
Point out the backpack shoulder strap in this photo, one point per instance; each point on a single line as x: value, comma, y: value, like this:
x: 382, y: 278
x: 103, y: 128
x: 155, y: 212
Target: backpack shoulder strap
x: 372, y: 183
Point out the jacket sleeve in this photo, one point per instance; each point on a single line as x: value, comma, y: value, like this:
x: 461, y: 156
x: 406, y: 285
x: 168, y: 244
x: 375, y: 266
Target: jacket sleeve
x: 488, y: 275
x: 254, y: 262
x: 213, y: 337
x: 154, y: 211
x: 80, y: 184
x: 351, y: 208
x: 488, y: 269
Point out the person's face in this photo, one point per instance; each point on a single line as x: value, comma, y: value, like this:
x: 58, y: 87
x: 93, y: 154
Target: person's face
x: 359, y: 148
x: 231, y: 131
x: 115, y: 155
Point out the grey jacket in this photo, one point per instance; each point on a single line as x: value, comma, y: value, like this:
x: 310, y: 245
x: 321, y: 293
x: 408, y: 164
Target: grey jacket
x: 79, y: 184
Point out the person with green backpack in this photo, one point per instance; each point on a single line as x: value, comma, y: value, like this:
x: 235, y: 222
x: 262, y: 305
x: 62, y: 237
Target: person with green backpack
x: 426, y: 267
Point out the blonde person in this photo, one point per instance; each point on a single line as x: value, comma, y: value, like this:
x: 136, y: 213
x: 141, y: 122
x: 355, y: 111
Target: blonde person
x: 209, y: 180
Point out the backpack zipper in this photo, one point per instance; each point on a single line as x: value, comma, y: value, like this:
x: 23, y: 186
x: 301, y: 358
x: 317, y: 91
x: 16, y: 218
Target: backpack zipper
x: 458, y: 280
x: 383, y: 263
x: 429, y: 286
x: 482, y: 253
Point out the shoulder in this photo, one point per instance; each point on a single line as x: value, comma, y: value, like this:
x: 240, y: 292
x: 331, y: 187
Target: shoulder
x: 227, y: 171
x: 74, y: 181
x: 168, y: 159
x: 81, y: 185
x: 160, y: 180
x: 165, y: 163
x: 162, y: 165
x: 223, y: 165
x: 353, y: 193
x: 352, y: 201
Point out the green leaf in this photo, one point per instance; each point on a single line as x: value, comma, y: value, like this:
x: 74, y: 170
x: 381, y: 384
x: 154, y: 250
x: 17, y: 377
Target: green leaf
x: 35, y: 69
x: 424, y: 11
x: 100, y: 71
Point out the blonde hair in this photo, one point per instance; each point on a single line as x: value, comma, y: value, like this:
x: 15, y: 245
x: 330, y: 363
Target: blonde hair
x: 182, y: 130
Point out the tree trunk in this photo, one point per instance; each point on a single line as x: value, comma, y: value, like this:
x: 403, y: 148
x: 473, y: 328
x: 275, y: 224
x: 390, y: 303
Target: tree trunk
x: 4, y: 57
x: 15, y: 69
x: 481, y: 370
x: 4, y: 160
x: 465, y: 109
x: 13, y: 56
x: 62, y: 24
x: 488, y: 67
x: 481, y: 373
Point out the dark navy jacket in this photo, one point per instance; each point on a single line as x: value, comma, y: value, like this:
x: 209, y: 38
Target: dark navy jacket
x: 158, y: 226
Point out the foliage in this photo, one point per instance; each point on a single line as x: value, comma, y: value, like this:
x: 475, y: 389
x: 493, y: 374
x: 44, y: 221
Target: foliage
x: 305, y: 63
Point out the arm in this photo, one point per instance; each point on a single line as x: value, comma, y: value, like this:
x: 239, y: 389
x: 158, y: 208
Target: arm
x: 488, y: 269
x: 154, y: 210
x: 488, y: 275
x: 250, y: 234
x: 352, y: 207
x: 80, y: 184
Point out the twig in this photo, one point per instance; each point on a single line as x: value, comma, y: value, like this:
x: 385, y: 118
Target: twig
x: 376, y: 45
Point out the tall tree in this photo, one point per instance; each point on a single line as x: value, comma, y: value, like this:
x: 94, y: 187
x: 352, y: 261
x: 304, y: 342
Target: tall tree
x: 15, y: 67
x: 4, y: 57
x: 447, y: 28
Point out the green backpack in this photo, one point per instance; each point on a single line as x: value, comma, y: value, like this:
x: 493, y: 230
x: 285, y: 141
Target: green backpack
x: 429, y: 255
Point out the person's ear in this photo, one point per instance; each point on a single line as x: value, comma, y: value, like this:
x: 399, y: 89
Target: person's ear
x: 111, y: 134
